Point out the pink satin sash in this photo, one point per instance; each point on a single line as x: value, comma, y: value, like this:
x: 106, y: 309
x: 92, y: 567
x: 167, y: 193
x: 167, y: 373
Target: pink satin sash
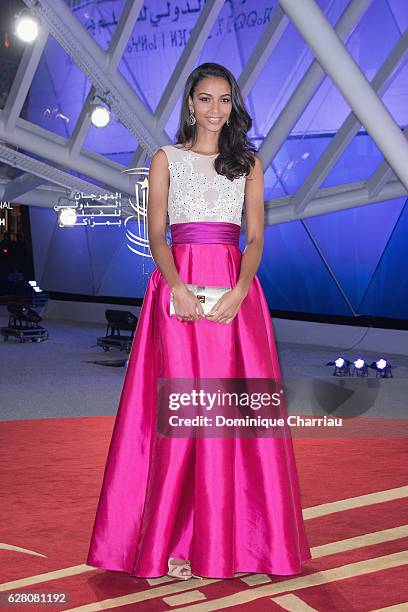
x: 205, y: 232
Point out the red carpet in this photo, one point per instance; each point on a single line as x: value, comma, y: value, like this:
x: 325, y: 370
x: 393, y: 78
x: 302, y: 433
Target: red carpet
x: 50, y: 480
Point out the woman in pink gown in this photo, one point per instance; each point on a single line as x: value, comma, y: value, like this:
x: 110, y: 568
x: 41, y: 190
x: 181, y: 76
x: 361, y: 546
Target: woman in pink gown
x: 206, y: 506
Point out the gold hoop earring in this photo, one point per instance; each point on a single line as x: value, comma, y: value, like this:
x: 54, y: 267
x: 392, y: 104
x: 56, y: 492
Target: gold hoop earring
x: 193, y: 120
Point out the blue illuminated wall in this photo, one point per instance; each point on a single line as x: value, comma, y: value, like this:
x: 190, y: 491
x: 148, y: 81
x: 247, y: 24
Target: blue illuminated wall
x: 346, y: 263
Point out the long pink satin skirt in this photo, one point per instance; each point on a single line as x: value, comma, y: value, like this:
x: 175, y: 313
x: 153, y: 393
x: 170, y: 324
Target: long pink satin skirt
x: 229, y: 505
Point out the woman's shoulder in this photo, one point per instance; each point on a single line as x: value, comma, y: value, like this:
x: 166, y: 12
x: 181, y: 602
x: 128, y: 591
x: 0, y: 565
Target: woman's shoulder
x: 162, y: 158
x: 164, y: 148
x: 164, y: 153
x: 170, y: 150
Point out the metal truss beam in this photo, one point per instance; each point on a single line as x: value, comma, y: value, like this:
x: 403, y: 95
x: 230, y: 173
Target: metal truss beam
x: 117, y: 46
x: 42, y: 197
x: 348, y: 131
x: 123, y: 30
x: 262, y: 52
x: 40, y: 172
x: 307, y: 87
x: 43, y: 142
x: 91, y: 59
x: 343, y: 70
x: 23, y: 79
x: 22, y: 184
x: 331, y: 200
x: 381, y: 176
x: 51, y: 147
x: 112, y: 86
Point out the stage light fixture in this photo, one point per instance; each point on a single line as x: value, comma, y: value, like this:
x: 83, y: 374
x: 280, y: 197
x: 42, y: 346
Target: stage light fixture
x: 383, y: 368
x: 22, y: 312
x: 26, y: 26
x: 67, y: 217
x: 100, y: 113
x: 360, y: 367
x: 35, y: 287
x: 341, y: 366
x: 23, y: 324
x: 118, y: 320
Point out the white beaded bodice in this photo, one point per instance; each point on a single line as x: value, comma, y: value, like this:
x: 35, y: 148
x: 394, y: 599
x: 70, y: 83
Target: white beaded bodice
x: 197, y: 192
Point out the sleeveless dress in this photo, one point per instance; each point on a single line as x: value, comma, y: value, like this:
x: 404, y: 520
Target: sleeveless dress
x: 227, y: 504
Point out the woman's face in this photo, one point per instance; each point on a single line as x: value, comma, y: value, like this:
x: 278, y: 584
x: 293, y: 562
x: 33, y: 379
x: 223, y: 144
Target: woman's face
x: 211, y: 103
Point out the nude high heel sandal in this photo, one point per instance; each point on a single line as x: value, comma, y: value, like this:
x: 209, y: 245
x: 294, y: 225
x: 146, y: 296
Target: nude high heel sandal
x: 180, y: 570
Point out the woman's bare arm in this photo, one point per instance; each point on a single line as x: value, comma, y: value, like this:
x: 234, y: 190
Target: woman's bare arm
x: 157, y: 218
x: 254, y: 216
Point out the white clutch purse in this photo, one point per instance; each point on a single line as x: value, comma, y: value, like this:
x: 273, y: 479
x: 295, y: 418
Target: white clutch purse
x: 207, y: 294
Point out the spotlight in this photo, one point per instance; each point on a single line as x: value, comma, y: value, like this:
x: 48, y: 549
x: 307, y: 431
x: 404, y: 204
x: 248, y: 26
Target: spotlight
x: 360, y: 367
x: 383, y: 368
x: 341, y: 366
x: 100, y: 113
x: 35, y: 287
x: 23, y: 324
x: 67, y: 217
x: 118, y: 320
x: 26, y: 26
x: 21, y: 312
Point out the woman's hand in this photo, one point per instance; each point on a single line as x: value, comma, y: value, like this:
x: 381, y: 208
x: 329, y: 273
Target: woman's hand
x: 226, y: 308
x: 187, y: 306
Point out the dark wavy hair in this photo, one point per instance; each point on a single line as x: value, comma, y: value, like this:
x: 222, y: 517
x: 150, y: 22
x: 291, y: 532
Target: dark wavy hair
x: 236, y: 155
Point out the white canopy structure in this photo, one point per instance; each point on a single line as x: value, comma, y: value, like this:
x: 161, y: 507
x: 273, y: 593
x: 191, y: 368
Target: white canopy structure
x: 22, y: 142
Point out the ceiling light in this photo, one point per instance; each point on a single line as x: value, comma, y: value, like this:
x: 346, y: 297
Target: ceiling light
x: 100, y: 114
x: 27, y: 27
